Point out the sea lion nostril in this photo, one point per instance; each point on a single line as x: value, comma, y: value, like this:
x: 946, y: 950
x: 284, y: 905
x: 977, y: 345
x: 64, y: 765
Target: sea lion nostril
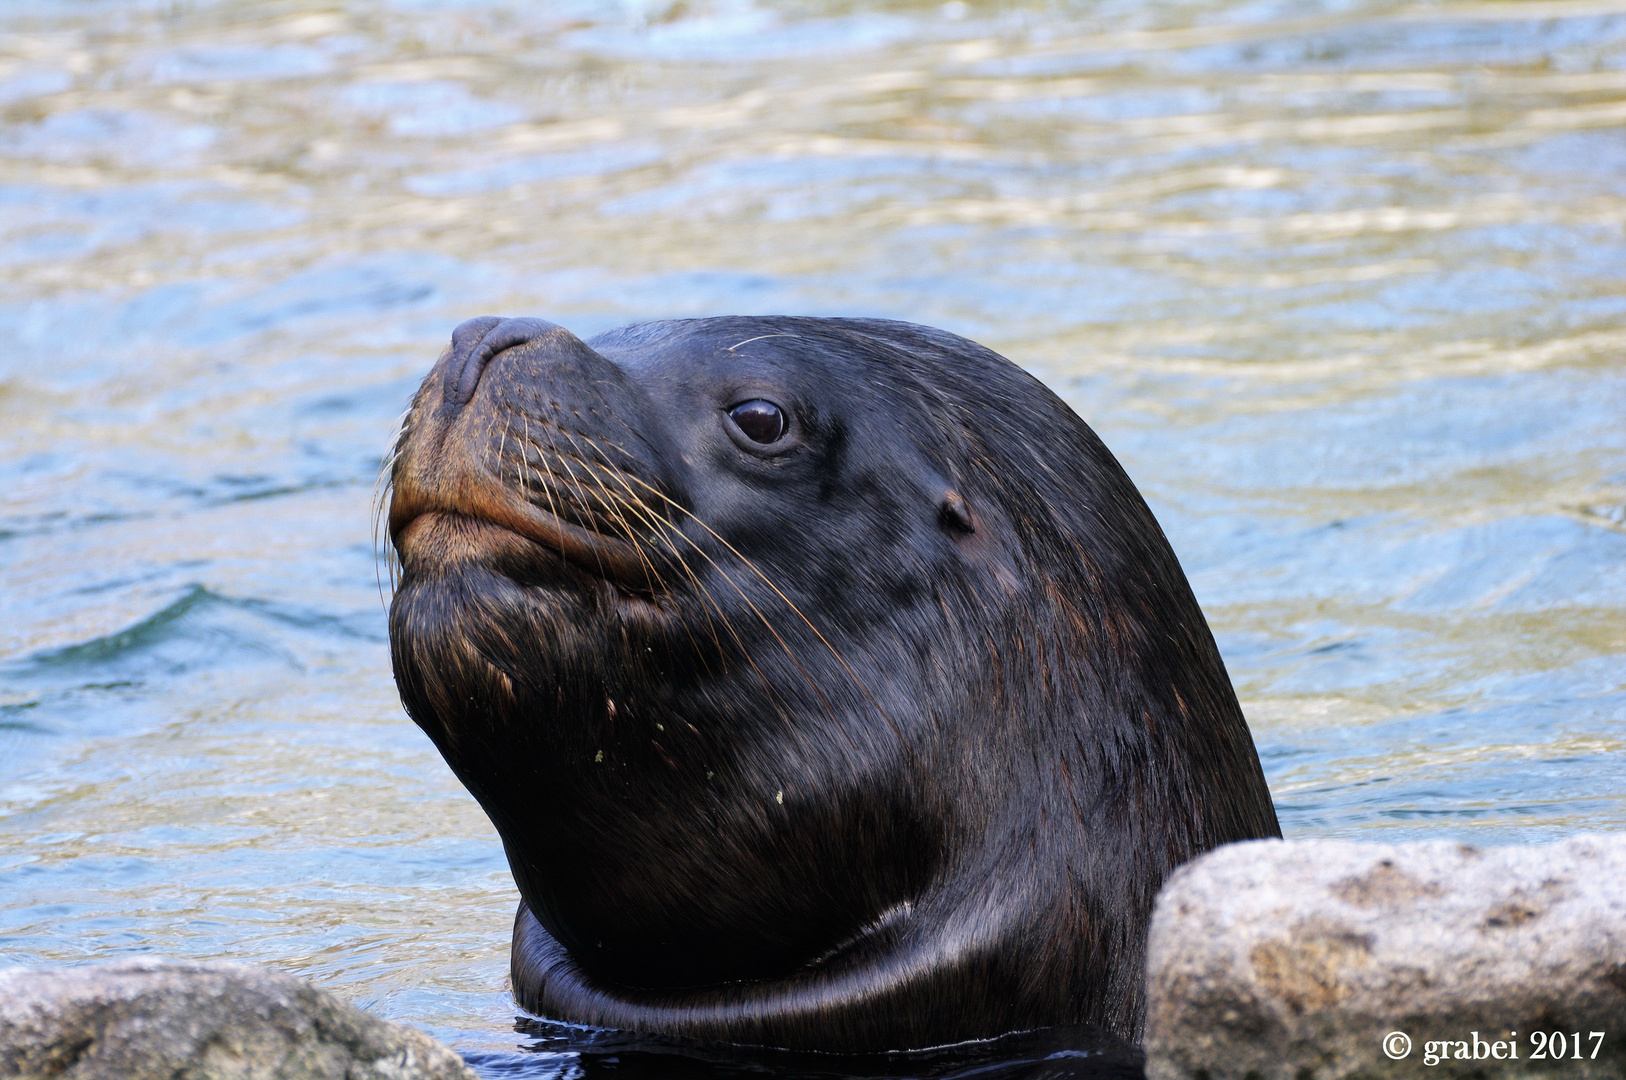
x: 475, y: 342
x: 468, y: 333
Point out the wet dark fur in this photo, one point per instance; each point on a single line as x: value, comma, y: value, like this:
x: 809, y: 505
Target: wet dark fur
x: 888, y: 736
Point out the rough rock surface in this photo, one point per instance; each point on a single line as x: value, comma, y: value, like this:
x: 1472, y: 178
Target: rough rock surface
x: 141, y: 1019
x: 1296, y: 960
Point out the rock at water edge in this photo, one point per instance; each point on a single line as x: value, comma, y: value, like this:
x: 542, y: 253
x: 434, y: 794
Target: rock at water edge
x: 1325, y: 959
x: 145, y: 1018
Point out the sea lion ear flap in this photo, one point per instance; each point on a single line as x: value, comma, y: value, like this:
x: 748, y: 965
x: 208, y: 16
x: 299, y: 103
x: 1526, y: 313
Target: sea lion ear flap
x: 954, y: 513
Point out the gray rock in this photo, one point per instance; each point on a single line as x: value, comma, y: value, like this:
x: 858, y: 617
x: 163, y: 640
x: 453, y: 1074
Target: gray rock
x: 1296, y: 960
x: 140, y: 1019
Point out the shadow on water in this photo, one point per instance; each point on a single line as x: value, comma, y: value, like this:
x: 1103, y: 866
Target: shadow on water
x: 569, y: 1052
x: 97, y: 687
x: 198, y: 621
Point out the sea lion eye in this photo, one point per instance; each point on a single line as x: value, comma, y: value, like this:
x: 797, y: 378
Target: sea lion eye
x: 762, y: 421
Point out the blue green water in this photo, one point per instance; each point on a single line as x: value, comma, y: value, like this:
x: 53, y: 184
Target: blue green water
x: 1343, y: 284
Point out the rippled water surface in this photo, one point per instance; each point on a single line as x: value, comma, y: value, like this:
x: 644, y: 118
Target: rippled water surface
x: 1343, y: 284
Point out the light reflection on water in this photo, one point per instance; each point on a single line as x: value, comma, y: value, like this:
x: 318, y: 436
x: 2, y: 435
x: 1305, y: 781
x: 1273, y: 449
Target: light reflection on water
x: 1342, y: 285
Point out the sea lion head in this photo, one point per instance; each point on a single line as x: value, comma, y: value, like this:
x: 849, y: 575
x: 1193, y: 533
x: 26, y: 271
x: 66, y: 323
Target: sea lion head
x: 774, y: 646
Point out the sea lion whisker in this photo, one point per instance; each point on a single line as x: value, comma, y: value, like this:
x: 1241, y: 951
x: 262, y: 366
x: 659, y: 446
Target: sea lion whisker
x: 649, y: 513
x: 592, y: 470
x: 616, y: 504
x: 403, y: 432
x: 382, y: 551
x: 694, y: 579
x: 547, y: 485
x: 522, y: 467
x: 609, y: 503
x: 586, y: 503
x: 768, y: 624
x: 759, y: 337
x: 862, y: 686
x: 640, y: 508
x: 663, y: 528
x: 520, y: 463
x: 780, y: 705
x: 667, y: 528
x: 546, y: 475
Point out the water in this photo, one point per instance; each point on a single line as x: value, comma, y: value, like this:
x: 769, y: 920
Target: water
x: 1343, y: 284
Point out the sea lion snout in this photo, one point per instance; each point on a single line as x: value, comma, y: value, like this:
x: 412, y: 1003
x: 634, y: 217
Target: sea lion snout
x: 523, y: 426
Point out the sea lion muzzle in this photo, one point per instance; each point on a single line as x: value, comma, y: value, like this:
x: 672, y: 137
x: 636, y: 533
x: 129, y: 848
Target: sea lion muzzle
x: 537, y: 434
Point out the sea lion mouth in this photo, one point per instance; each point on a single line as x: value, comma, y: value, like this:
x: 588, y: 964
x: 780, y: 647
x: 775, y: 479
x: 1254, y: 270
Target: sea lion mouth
x: 611, y: 558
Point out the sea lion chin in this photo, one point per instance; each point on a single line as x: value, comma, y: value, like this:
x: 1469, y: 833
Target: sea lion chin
x: 828, y: 682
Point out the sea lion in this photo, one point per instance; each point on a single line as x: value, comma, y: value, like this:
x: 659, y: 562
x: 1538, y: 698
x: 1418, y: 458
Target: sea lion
x: 829, y: 683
